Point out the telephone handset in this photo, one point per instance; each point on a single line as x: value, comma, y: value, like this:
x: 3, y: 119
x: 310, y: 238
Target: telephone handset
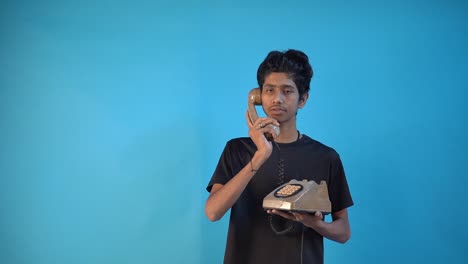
x: 255, y: 98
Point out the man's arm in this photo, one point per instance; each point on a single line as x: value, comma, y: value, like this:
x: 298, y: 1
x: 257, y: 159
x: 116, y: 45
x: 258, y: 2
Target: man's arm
x: 338, y: 230
x: 223, y: 197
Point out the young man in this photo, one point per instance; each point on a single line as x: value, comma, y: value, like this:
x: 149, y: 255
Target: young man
x: 251, y: 167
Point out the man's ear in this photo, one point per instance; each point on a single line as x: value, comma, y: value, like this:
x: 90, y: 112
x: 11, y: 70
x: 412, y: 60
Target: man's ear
x: 303, y: 100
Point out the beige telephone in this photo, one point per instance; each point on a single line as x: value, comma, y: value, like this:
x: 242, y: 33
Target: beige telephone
x: 299, y: 196
x: 255, y: 98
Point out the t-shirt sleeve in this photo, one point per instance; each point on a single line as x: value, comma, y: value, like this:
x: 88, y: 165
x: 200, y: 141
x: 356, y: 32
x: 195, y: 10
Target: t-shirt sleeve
x: 339, y: 193
x: 223, y: 171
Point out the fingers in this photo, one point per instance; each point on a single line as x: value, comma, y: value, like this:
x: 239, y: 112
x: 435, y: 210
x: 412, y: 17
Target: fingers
x: 298, y: 217
x: 283, y: 214
x: 260, y: 122
x: 266, y: 121
x: 270, y: 132
x: 265, y: 125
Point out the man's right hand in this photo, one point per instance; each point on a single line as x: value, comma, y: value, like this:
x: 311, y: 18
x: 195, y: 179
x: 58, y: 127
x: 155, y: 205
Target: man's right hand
x: 257, y: 132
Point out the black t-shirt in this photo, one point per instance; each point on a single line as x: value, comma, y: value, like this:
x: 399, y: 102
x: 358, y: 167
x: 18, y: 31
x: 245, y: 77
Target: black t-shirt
x: 250, y: 236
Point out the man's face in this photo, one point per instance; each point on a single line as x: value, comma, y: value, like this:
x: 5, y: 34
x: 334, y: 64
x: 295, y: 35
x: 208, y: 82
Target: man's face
x: 280, y: 97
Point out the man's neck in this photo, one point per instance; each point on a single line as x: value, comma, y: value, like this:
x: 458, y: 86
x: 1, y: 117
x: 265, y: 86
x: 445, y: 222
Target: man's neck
x: 288, y: 134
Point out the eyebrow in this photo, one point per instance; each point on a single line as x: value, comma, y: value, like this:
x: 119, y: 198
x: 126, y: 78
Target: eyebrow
x: 281, y: 86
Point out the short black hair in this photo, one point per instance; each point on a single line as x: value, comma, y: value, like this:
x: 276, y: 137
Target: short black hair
x: 295, y: 63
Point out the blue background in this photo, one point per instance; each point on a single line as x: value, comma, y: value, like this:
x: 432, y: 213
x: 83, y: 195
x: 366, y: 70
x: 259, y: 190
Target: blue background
x: 114, y: 114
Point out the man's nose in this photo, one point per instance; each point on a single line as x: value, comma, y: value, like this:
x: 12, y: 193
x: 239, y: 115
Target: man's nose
x: 278, y: 97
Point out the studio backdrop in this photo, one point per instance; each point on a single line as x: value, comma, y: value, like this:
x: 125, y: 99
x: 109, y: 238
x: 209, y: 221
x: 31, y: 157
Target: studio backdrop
x: 114, y: 114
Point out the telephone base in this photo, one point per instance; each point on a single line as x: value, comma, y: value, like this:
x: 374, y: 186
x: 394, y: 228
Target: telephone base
x: 299, y: 196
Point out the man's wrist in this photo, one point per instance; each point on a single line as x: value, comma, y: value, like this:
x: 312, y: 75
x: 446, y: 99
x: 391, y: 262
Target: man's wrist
x: 257, y: 161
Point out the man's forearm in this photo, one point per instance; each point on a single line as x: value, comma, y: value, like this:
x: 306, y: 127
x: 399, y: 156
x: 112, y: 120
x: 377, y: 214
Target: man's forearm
x: 338, y: 230
x: 222, y: 199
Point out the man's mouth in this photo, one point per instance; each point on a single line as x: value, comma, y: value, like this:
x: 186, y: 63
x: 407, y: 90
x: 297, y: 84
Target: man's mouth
x: 277, y: 110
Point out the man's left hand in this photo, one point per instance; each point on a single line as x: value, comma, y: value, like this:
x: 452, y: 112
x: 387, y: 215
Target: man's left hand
x: 308, y: 219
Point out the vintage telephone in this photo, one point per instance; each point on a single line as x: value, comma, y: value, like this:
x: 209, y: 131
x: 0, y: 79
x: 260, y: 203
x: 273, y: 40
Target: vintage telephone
x: 299, y: 196
x: 255, y: 98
